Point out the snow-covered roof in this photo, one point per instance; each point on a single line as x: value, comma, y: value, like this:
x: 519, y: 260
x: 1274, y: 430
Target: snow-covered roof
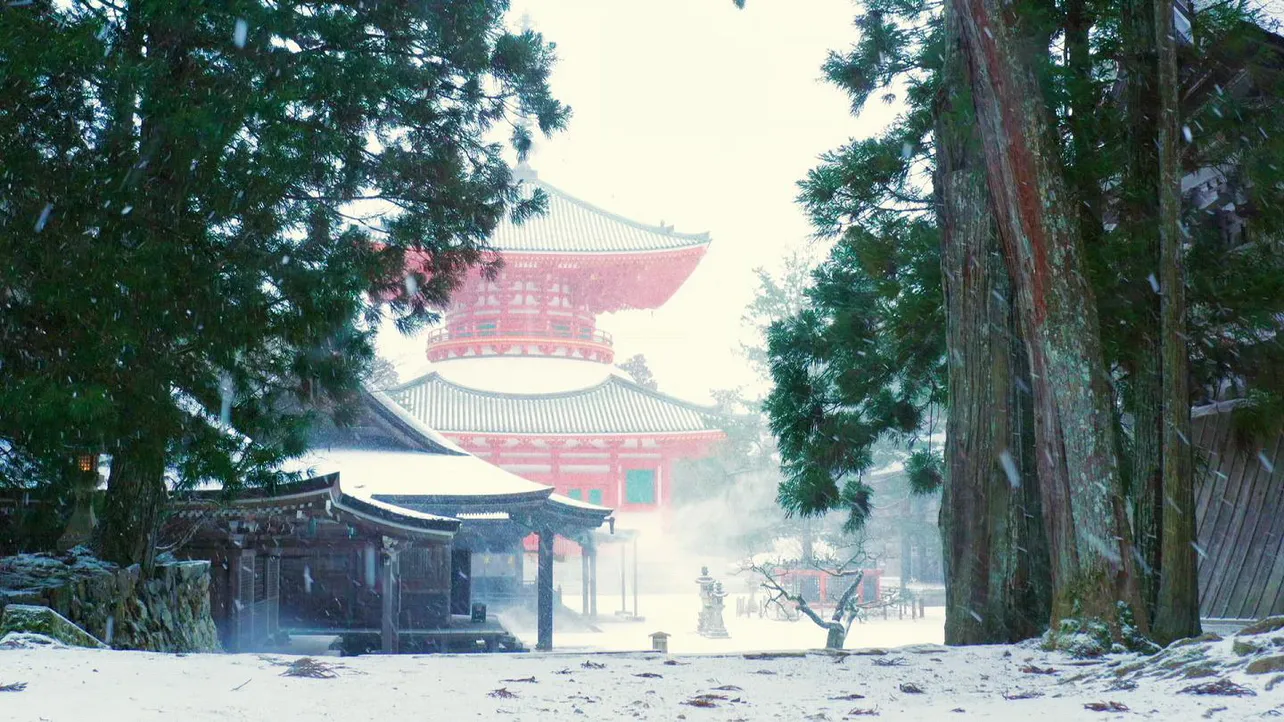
x: 525, y: 374
x: 613, y: 406
x: 370, y: 473
x: 575, y: 226
x: 577, y: 504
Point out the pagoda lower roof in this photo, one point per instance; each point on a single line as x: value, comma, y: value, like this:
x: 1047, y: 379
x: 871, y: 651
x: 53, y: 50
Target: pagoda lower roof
x: 615, y: 406
x: 573, y: 226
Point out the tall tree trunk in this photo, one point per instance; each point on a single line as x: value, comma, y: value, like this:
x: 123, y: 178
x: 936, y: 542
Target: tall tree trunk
x: 135, y: 498
x: 1090, y: 544
x: 1177, y: 612
x: 1140, y: 209
x: 995, y: 557
x: 1146, y: 460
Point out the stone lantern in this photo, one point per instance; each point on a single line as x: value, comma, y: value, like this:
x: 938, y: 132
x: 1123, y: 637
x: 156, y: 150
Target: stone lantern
x: 660, y: 642
x: 80, y: 528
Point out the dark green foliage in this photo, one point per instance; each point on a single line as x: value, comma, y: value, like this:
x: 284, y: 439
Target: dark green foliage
x: 925, y: 471
x: 864, y: 360
x: 205, y: 207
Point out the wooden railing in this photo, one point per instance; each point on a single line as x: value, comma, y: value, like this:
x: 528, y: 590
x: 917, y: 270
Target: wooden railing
x: 448, y: 335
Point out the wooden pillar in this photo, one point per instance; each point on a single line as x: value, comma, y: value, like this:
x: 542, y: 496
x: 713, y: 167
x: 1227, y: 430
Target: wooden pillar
x: 907, y: 563
x: 635, y: 576
x: 584, y: 579
x: 617, y: 474
x: 664, y: 479
x: 593, y: 581
x: 272, y: 589
x: 624, y: 569
x: 242, y: 599
x: 390, y: 595
x: 544, y: 586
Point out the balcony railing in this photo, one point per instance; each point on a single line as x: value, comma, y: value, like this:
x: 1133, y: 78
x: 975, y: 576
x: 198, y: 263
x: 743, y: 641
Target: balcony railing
x: 449, y: 335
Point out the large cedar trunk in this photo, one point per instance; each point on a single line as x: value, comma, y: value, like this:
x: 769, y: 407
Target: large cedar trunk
x: 1090, y: 544
x: 135, y: 498
x: 995, y: 558
x: 1144, y: 401
x: 1177, y: 610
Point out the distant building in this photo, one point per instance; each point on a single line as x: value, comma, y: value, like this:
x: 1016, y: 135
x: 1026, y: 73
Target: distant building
x: 523, y: 375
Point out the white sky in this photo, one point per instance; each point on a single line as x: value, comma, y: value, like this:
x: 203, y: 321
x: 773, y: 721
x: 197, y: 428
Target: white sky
x: 704, y: 117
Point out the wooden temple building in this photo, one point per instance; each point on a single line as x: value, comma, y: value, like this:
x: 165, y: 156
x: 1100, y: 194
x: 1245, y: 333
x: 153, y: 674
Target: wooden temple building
x: 388, y: 537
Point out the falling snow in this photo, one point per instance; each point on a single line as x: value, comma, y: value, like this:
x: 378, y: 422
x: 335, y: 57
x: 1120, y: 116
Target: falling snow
x: 1265, y: 462
x: 44, y: 217
x: 1010, y: 469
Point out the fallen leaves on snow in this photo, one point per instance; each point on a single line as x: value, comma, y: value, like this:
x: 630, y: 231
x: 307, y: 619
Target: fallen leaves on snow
x: 1222, y: 687
x: 890, y: 662
x: 1030, y: 694
x: 1106, y: 706
x: 311, y: 668
x: 911, y: 688
x: 502, y: 693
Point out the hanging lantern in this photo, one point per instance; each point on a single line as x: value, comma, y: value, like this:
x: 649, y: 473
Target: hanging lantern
x: 87, y: 462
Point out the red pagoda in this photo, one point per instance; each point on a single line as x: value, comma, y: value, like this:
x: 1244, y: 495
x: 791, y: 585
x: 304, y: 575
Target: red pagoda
x: 523, y: 376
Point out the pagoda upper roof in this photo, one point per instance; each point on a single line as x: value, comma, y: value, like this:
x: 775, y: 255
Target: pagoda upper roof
x: 573, y: 226
x: 611, y: 407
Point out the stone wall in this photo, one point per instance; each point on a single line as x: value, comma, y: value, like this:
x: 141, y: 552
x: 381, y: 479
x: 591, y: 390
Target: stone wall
x: 168, y: 611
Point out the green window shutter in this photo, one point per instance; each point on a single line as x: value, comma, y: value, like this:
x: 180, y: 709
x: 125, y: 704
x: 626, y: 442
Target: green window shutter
x: 639, y: 486
x: 595, y: 496
x: 577, y: 494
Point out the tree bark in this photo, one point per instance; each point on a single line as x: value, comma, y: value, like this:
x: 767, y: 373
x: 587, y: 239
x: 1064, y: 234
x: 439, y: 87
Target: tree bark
x: 1177, y: 608
x: 135, y: 498
x: 1076, y: 450
x: 1144, y: 400
x: 995, y: 557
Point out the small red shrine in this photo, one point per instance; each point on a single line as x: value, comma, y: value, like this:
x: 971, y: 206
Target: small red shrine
x: 523, y: 375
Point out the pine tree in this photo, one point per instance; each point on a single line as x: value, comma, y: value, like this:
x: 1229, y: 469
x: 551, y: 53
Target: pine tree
x: 209, y: 206
x: 637, y: 367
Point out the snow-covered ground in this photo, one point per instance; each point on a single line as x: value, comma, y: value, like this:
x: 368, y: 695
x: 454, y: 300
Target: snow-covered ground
x: 64, y: 685
x: 676, y: 614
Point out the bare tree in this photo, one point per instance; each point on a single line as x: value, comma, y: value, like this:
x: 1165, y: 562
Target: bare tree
x: 847, y: 609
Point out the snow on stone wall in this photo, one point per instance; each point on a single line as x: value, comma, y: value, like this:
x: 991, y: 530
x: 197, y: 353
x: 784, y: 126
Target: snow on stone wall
x: 169, y: 611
